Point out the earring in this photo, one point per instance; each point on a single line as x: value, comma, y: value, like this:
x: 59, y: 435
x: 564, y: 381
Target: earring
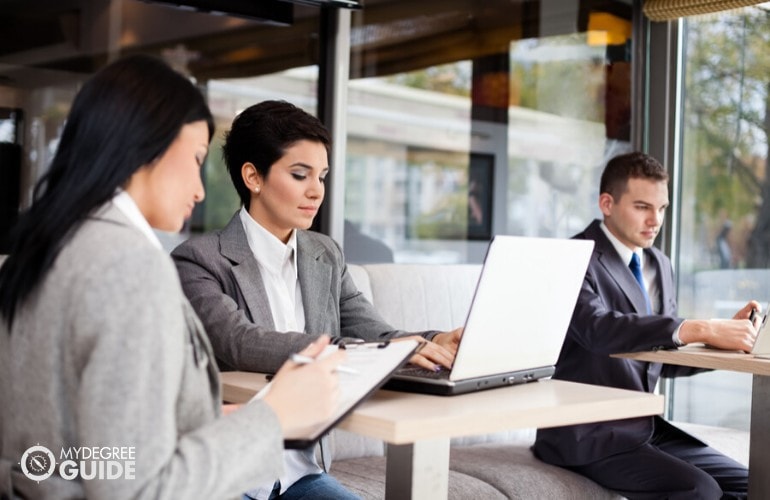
x: 256, y: 189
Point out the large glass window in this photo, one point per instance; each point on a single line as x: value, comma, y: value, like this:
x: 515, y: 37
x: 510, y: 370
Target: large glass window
x: 493, y: 118
x: 724, y: 239
x: 228, y: 97
x: 466, y: 119
x: 48, y: 49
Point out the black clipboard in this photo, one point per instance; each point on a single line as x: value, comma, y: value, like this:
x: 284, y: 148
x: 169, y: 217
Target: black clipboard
x: 375, y: 363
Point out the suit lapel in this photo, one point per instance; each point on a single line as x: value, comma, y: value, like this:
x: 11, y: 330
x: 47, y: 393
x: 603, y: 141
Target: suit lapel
x: 315, y: 278
x: 235, y: 247
x: 617, y: 269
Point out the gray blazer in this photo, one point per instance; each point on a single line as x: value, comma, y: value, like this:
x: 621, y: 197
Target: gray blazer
x: 221, y: 278
x: 108, y: 352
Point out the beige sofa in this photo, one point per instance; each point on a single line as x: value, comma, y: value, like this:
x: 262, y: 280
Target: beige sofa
x: 421, y: 297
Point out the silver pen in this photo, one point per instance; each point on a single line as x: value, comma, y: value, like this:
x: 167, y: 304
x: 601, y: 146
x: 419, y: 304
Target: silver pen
x: 303, y: 360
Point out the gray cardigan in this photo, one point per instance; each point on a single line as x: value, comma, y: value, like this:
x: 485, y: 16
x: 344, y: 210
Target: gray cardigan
x: 108, y: 352
x: 221, y: 278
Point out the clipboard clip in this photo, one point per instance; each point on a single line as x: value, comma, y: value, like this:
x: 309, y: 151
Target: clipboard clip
x: 348, y: 345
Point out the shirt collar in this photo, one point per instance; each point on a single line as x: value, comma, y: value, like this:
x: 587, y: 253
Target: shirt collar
x: 123, y: 201
x: 267, y: 249
x: 623, y: 250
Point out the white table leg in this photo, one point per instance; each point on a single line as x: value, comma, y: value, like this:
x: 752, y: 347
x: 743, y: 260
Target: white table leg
x: 417, y: 471
x: 759, y: 451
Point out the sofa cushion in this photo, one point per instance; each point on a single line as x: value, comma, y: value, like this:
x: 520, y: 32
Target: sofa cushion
x: 343, y: 445
x: 487, y: 472
x: 366, y: 478
x: 516, y: 473
x: 514, y: 437
x: 423, y: 297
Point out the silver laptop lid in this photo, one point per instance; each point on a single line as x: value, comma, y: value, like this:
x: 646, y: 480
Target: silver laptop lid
x: 522, y: 306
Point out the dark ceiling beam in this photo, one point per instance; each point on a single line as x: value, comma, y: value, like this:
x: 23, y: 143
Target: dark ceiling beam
x: 270, y: 11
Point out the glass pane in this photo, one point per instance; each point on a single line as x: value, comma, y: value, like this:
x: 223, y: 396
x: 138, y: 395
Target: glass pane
x: 471, y: 121
x: 227, y: 98
x: 725, y: 216
x: 46, y: 52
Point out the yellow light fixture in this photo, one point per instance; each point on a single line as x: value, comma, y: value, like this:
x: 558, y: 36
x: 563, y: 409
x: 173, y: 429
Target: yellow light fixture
x: 607, y: 29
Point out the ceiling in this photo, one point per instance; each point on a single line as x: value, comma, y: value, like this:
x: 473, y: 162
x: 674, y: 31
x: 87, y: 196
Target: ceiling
x: 59, y: 37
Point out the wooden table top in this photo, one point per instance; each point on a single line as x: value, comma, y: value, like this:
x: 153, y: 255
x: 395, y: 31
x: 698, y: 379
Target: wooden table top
x: 401, y: 418
x: 701, y: 356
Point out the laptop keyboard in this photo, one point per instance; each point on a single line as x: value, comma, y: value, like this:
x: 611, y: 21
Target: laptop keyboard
x: 418, y: 371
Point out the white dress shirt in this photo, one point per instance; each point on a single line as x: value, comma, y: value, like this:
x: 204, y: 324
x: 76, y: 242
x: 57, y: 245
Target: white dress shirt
x: 278, y: 265
x: 128, y: 206
x: 648, y: 272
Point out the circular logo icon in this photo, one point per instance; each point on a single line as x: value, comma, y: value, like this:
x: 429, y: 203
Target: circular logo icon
x: 38, y: 463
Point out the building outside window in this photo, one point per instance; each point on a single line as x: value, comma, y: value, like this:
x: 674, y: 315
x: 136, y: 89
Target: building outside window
x: 491, y: 119
x: 465, y: 119
x: 724, y: 238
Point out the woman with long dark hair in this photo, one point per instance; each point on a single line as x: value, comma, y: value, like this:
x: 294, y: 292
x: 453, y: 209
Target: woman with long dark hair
x: 99, y: 348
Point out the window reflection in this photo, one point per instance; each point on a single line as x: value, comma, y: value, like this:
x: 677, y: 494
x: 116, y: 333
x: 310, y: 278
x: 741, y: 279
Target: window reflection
x: 473, y: 132
x: 725, y: 217
x: 466, y: 119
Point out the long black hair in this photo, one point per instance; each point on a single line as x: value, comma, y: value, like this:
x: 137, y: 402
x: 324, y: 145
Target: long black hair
x: 124, y: 117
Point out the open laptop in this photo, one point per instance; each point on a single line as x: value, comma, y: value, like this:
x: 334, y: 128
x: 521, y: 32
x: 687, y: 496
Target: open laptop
x: 761, y: 348
x: 517, y: 320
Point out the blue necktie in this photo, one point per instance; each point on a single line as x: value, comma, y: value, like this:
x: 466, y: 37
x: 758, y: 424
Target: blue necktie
x: 636, y: 268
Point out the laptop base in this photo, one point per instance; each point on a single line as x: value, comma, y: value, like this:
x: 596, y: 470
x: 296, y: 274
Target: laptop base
x: 454, y: 387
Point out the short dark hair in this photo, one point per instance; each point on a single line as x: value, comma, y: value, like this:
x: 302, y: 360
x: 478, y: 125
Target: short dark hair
x: 261, y: 133
x: 124, y: 117
x: 627, y: 166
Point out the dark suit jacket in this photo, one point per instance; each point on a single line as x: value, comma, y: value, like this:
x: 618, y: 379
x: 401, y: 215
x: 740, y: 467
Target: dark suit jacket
x: 221, y: 278
x: 610, y: 317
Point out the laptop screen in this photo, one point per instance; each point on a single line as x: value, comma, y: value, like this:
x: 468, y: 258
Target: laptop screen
x: 522, y: 306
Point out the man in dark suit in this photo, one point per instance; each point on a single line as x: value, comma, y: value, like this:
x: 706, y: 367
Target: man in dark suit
x: 619, y: 312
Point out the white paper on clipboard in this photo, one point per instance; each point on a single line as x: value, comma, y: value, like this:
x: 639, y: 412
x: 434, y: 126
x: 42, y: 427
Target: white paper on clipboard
x: 374, y: 363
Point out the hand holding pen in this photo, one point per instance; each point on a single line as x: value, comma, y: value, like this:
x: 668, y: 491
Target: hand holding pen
x: 299, y: 386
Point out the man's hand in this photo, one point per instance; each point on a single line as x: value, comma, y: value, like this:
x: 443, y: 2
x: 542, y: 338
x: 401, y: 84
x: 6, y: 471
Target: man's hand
x: 745, y: 312
x: 738, y: 333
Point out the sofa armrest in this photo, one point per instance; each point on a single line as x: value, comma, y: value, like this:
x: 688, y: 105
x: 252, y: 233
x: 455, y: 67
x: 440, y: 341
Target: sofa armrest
x: 361, y: 279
